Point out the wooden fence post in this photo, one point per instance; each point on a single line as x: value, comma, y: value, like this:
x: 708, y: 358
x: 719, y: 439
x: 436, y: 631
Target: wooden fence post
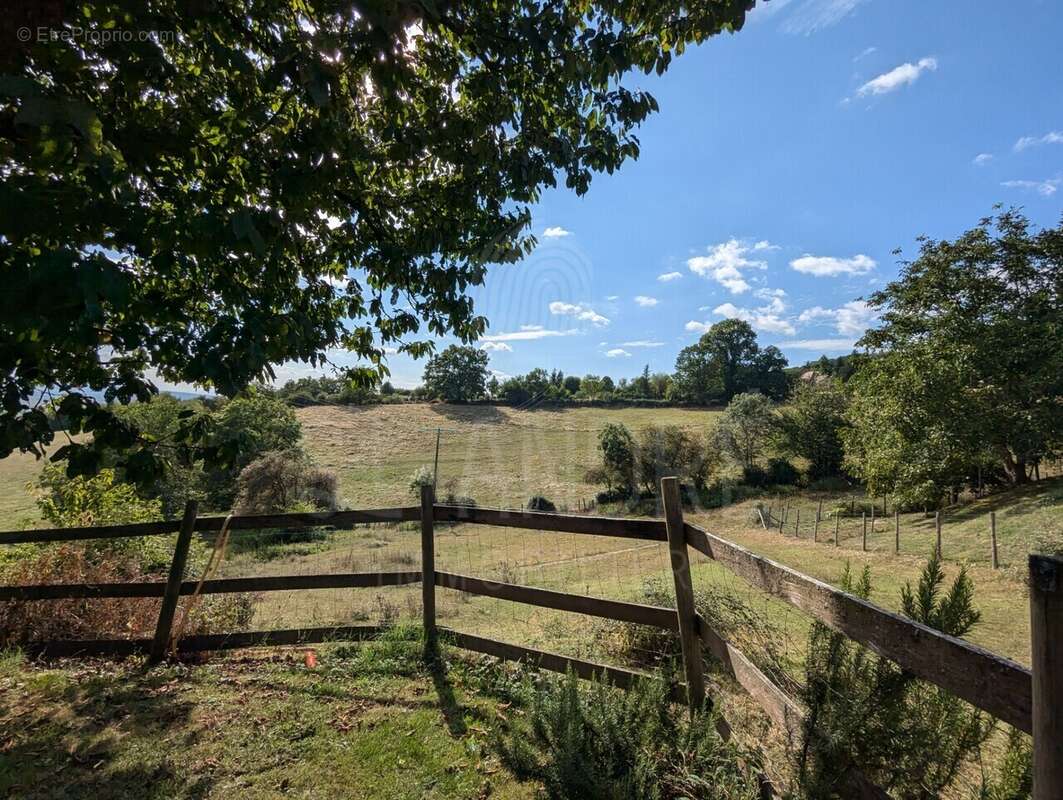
x: 684, y: 593
x: 863, y: 522
x: 819, y: 515
x: 872, y: 518
x: 993, y: 537
x: 797, y: 524
x: 1046, y: 632
x: 172, y: 592
x: 428, y: 571
x: 837, y: 522
x: 937, y: 526
x: 896, y: 531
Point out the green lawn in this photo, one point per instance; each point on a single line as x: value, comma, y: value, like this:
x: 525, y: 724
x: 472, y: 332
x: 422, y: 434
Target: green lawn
x: 368, y: 722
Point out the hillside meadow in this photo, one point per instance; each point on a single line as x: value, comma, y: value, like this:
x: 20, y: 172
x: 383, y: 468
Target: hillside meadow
x: 501, y: 456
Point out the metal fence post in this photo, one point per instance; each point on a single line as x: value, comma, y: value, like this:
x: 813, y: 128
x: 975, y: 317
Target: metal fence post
x: 684, y: 593
x: 172, y: 593
x: 1046, y: 633
x: 428, y: 570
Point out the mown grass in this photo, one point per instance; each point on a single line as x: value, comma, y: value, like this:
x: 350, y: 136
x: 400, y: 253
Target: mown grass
x: 368, y: 722
x: 499, y: 456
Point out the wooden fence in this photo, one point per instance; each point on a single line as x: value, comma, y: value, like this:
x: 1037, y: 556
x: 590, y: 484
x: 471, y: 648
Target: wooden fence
x: 772, y: 519
x: 1032, y: 701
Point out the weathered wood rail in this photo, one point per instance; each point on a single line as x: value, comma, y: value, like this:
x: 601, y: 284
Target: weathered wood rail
x: 1030, y: 701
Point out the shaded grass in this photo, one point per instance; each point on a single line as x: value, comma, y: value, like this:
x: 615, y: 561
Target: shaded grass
x: 366, y: 723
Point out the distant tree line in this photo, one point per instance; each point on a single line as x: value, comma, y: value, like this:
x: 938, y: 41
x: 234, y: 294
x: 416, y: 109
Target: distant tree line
x: 959, y: 385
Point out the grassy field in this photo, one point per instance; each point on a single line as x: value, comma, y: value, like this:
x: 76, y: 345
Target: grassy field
x: 265, y: 726
x: 17, y: 504
x: 497, y: 455
x: 369, y: 722
x: 500, y: 457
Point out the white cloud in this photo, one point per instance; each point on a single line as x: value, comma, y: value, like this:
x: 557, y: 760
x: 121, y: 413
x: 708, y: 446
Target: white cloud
x: 646, y: 302
x: 816, y: 313
x: 982, y: 159
x: 725, y: 264
x: 765, y: 318
x: 764, y: 244
x: 864, y: 53
x: 815, y: 15
x: 1052, y: 137
x: 904, y: 75
x: 556, y: 232
x: 851, y: 319
x: 669, y: 276
x: 820, y: 344
x: 580, y: 311
x: 612, y: 297
x: 760, y: 319
x: 855, y: 317
x: 617, y: 352
x: 1045, y: 188
x: 827, y: 266
x: 776, y: 304
x: 496, y: 347
x: 643, y: 343
x: 527, y: 333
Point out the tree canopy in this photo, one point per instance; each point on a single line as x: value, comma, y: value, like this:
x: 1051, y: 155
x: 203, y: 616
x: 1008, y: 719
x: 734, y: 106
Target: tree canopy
x: 968, y: 363
x: 726, y: 361
x: 457, y: 375
x: 262, y: 182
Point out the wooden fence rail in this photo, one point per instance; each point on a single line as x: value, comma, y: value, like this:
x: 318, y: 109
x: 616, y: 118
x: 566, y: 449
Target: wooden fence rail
x: 1030, y: 701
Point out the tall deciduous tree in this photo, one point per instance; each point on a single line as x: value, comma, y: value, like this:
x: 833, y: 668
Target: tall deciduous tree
x: 745, y: 428
x: 264, y: 181
x: 969, y: 362
x: 457, y: 375
x: 810, y: 426
x: 725, y: 361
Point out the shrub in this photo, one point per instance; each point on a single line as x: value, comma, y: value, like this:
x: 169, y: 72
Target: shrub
x: 755, y: 475
x: 782, y: 473
x: 909, y: 737
x: 247, y: 428
x: 670, y: 451
x: 80, y: 618
x: 599, y: 743
x: 810, y: 426
x: 101, y: 500
x: 745, y: 428
x: 732, y: 617
x: 90, y: 500
x: 276, y: 482
x: 93, y: 618
x: 1014, y: 778
x: 540, y: 503
x: 618, y: 458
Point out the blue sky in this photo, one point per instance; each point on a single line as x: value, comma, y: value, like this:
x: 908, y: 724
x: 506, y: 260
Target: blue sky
x: 786, y: 163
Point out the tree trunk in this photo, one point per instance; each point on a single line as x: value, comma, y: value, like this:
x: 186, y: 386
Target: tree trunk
x: 1015, y: 468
